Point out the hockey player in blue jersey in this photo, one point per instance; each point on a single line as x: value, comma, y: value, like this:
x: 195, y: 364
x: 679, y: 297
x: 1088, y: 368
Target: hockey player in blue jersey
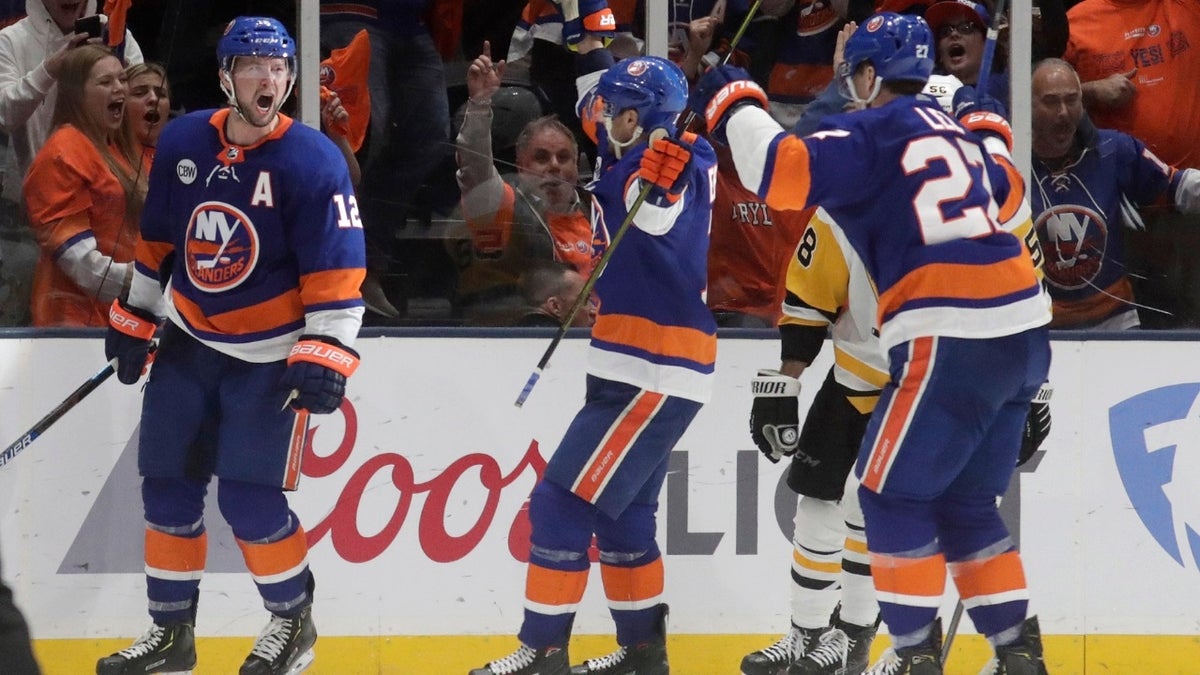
x: 962, y: 315
x: 252, y: 228
x: 650, y: 368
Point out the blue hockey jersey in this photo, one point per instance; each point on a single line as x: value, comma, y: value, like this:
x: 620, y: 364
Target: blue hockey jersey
x: 266, y: 240
x: 919, y: 199
x: 653, y: 328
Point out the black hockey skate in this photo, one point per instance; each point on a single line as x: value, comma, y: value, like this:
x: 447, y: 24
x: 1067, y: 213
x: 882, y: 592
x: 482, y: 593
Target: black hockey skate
x: 643, y: 658
x: 921, y: 659
x: 845, y: 649
x: 1023, y: 657
x: 284, y: 647
x: 646, y: 658
x: 163, y: 649
x: 529, y: 661
x: 775, y: 659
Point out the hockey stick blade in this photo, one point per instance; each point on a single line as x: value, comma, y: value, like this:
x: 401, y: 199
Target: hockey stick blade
x: 61, y: 409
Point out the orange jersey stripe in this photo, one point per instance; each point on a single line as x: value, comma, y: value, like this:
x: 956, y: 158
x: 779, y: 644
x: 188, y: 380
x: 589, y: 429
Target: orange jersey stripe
x: 277, y: 557
x: 630, y: 584
x: 268, y: 315
x: 151, y: 253
x: 331, y: 285
x: 642, y: 333
x: 918, y: 577
x: 545, y: 586
x: 991, y: 576
x: 789, y: 186
x: 899, y: 414
x: 953, y: 280
x: 177, y: 554
x: 623, y: 434
x: 1016, y: 193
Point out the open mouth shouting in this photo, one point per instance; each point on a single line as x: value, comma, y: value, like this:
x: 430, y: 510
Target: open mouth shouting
x: 115, y: 110
x: 264, y: 104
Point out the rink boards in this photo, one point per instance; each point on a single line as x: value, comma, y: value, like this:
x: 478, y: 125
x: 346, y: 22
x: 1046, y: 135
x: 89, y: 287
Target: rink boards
x: 412, y: 497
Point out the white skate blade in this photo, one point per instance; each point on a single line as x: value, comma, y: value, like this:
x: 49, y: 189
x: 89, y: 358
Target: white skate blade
x: 302, y: 662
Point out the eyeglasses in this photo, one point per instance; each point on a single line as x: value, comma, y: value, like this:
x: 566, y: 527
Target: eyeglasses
x: 964, y: 28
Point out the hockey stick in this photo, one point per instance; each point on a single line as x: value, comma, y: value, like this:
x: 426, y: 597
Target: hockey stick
x: 989, y: 50
x: 951, y: 630
x: 61, y: 409
x: 586, y: 292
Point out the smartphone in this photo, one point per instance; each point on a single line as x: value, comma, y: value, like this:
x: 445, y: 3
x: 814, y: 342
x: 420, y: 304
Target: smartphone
x: 89, y: 25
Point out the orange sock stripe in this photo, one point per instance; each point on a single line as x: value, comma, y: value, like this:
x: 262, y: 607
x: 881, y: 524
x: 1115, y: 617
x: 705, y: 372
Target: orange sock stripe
x: 175, y: 554
x: 555, y: 588
x: 991, y: 576
x: 284, y: 557
x: 633, y: 584
x: 917, y: 577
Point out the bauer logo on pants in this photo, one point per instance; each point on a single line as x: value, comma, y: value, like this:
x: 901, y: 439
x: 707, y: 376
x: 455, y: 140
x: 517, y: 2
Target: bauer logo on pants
x: 1155, y: 444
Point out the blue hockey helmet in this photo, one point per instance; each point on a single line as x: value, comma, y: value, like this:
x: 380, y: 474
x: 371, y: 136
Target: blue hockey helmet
x: 653, y: 86
x: 255, y: 36
x: 899, y: 46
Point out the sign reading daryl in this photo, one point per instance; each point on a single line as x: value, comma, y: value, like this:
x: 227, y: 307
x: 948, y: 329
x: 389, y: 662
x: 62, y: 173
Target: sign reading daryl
x: 222, y: 247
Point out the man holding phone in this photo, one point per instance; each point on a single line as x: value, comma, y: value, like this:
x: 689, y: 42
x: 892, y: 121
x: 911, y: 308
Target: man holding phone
x: 31, y: 54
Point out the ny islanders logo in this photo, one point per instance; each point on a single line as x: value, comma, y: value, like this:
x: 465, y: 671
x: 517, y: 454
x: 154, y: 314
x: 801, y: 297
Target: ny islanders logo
x: 222, y: 247
x: 1156, y: 444
x: 1074, y: 239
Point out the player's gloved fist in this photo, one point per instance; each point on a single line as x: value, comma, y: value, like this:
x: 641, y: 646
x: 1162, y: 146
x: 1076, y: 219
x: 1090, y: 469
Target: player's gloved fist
x: 775, y: 414
x: 665, y: 162
x: 130, y: 330
x: 316, y: 374
x: 982, y: 114
x: 719, y: 92
x: 968, y: 99
x: 1037, y: 424
x: 586, y: 17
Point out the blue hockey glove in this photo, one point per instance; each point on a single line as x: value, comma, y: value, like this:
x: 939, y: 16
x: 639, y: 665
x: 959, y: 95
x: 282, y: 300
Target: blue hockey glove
x: 586, y: 17
x: 719, y: 92
x: 316, y: 374
x: 130, y: 330
x: 968, y: 100
x: 1037, y: 424
x: 982, y: 114
x: 775, y: 414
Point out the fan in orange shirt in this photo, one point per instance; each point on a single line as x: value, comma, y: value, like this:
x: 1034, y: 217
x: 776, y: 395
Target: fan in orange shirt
x: 83, y: 197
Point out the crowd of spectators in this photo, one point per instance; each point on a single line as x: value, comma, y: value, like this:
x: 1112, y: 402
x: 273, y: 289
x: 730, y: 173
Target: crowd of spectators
x: 472, y: 163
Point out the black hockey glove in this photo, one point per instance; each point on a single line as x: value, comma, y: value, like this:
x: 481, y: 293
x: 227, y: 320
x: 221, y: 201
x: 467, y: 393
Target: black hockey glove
x: 1037, y: 424
x: 775, y: 415
x: 316, y: 374
x: 130, y: 330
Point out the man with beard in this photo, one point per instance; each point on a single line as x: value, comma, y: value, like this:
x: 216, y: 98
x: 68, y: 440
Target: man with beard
x: 251, y: 225
x: 535, y: 216
x: 1087, y: 184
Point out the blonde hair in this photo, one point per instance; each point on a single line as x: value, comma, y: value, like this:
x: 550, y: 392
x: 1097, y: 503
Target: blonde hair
x: 69, y: 108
